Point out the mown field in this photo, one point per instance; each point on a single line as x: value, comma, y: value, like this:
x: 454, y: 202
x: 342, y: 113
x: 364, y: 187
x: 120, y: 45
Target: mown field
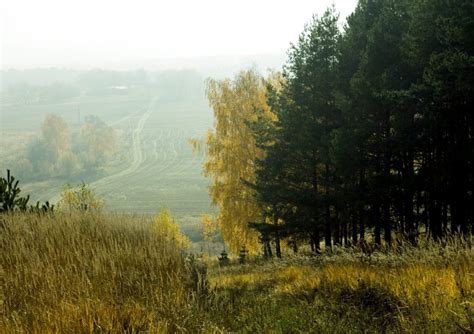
x: 79, y: 273
x: 155, y: 167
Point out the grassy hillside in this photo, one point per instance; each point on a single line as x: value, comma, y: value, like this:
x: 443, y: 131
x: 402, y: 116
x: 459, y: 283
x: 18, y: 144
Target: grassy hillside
x: 69, y: 273
x: 106, y: 273
x: 416, y: 291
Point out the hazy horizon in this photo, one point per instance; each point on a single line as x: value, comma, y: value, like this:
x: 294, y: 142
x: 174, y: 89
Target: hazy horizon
x: 153, y: 35
x: 214, y: 66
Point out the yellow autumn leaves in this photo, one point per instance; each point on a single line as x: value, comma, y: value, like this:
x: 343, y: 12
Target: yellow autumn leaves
x: 231, y: 153
x: 165, y: 226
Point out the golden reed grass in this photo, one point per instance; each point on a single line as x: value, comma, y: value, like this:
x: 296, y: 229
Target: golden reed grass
x: 89, y: 272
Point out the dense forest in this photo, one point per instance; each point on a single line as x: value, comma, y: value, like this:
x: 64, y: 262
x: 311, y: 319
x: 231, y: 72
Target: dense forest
x: 367, y: 134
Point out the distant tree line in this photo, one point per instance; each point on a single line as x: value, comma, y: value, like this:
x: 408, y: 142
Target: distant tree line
x: 26, y: 93
x: 58, y: 152
x: 32, y: 87
x: 373, y: 132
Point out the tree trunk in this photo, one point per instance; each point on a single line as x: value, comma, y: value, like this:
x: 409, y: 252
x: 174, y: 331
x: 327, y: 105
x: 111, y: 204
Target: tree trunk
x: 361, y: 223
x: 327, y: 234
x: 408, y: 208
x: 277, y: 246
x: 327, y: 240
x: 387, y: 223
x: 377, y: 230
x: 354, y: 229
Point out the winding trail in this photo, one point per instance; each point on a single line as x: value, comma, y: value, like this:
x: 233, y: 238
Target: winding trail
x: 138, y: 154
x: 156, y: 166
x: 123, y: 119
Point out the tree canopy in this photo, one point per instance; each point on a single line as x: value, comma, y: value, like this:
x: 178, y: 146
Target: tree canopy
x: 370, y: 133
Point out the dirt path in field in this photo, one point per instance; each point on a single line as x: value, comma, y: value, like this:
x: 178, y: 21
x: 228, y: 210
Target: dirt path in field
x: 123, y: 119
x: 137, y: 153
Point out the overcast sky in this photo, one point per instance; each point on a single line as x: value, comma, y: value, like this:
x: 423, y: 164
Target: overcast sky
x: 38, y: 33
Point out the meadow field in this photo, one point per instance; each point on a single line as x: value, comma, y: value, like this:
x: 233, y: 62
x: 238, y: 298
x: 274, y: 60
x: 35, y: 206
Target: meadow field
x: 102, y: 273
x: 155, y: 166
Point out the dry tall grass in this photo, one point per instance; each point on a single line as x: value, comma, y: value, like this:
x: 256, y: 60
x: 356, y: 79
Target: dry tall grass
x: 91, y: 272
x: 429, y: 289
x: 76, y: 273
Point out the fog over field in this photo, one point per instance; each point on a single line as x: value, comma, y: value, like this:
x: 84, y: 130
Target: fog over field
x: 126, y: 85
x: 129, y: 35
x: 152, y: 116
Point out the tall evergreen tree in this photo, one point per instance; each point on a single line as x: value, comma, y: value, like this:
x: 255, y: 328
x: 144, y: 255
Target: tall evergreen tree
x: 299, y: 159
x: 374, y: 129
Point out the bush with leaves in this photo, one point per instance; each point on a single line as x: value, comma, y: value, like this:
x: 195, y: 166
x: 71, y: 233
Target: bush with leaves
x: 166, y: 226
x: 80, y: 198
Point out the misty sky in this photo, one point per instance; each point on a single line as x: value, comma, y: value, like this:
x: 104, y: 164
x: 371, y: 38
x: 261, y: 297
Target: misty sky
x: 40, y: 33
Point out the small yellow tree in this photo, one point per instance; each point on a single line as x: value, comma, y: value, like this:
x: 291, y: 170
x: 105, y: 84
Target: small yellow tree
x: 167, y: 228
x: 100, y: 141
x: 56, y: 135
x: 80, y: 198
x: 231, y: 154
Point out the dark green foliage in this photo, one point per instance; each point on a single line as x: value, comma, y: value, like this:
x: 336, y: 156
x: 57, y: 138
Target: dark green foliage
x: 296, y: 162
x: 42, y: 209
x: 268, y: 233
x: 9, y: 195
x: 223, y: 259
x: 11, y: 201
x: 375, y: 128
